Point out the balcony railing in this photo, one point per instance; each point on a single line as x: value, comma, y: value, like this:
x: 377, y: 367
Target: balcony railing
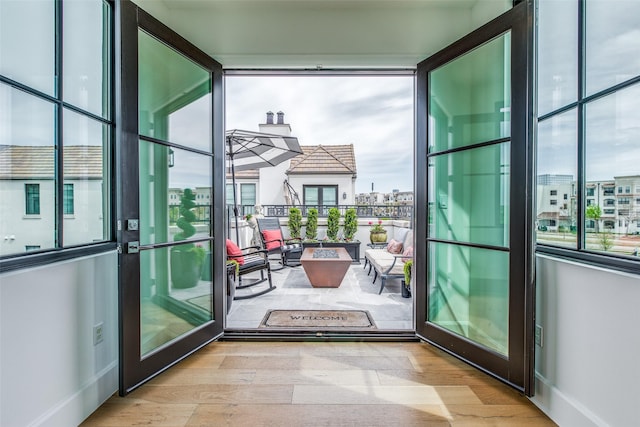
x: 404, y: 212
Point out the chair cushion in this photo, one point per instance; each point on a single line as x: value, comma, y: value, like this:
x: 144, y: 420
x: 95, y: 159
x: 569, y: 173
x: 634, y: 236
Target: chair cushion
x: 394, y: 247
x: 253, y: 260
x: 272, y: 239
x: 234, y: 252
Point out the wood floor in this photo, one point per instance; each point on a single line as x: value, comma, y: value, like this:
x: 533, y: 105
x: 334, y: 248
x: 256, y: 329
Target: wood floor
x: 320, y: 384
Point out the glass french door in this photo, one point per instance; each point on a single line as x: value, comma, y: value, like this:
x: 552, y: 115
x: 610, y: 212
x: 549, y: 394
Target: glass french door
x: 474, y: 272
x: 171, y: 276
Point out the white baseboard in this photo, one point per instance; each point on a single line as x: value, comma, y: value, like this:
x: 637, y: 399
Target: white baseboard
x: 74, y: 410
x: 562, y: 409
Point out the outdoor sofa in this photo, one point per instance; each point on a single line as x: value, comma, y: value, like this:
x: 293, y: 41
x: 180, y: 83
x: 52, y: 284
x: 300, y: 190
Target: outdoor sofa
x: 388, y: 261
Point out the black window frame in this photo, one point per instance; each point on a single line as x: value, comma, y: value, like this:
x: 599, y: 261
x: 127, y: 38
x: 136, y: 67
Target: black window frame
x: 306, y: 187
x: 581, y: 253
x: 59, y: 253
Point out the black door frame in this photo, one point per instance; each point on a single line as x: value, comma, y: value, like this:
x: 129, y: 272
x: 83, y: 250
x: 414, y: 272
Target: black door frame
x: 134, y: 370
x: 517, y: 369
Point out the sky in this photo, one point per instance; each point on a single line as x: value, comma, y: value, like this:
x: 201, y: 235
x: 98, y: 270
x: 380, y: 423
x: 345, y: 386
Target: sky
x: 374, y: 113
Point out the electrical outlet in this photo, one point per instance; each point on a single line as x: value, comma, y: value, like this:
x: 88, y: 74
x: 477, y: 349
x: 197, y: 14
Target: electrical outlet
x: 98, y: 335
x: 538, y: 337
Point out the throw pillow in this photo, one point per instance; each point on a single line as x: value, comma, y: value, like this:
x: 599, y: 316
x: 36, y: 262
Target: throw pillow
x: 407, y: 254
x: 272, y: 239
x: 234, y: 252
x: 394, y: 247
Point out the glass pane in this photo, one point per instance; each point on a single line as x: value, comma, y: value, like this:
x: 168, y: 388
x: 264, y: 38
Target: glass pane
x: 612, y: 132
x: 470, y: 97
x: 469, y: 293
x: 174, y: 96
x: 175, y: 293
x: 556, y: 204
x: 469, y: 191
x: 171, y: 180
x: 557, y: 54
x: 86, y: 142
x: 27, y: 135
x: 27, y: 43
x: 612, y: 40
x: 86, y: 55
x: 311, y: 196
x: 329, y: 196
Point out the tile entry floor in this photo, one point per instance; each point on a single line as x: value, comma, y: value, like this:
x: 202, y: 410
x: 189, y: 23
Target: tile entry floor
x: 390, y: 311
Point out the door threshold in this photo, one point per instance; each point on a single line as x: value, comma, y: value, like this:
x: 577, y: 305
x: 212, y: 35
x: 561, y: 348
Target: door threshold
x: 320, y: 336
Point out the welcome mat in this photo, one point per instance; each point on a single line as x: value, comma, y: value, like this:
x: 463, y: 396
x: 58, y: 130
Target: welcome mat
x: 314, y: 319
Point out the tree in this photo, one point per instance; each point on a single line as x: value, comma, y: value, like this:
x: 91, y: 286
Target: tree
x: 594, y: 212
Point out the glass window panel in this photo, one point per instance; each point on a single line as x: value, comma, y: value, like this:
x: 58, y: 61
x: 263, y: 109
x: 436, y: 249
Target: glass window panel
x: 27, y: 135
x: 557, y: 171
x: 248, y: 198
x: 181, y: 274
x: 470, y: 97
x: 469, y: 293
x: 174, y: 96
x: 67, y: 199
x: 86, y: 55
x: 329, y: 196
x: 311, y: 196
x: 27, y: 43
x: 189, y: 175
x: 612, y: 40
x: 32, y: 199
x: 557, y: 54
x: 470, y: 195
x: 612, y: 132
x: 86, y: 167
x: 229, y: 194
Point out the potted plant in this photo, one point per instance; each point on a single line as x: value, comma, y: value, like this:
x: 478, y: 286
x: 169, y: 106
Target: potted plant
x: 377, y: 234
x: 295, y: 223
x: 311, y: 230
x: 333, y: 223
x: 186, y: 259
x: 350, y: 224
x: 406, y: 283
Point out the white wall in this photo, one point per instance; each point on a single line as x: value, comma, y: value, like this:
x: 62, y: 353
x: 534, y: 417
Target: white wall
x: 51, y: 373
x: 587, y: 371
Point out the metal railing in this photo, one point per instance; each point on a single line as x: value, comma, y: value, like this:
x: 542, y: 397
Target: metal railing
x: 404, y: 212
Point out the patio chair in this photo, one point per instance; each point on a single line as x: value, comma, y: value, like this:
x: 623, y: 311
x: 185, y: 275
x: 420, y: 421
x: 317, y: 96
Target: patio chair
x: 274, y: 243
x: 249, y: 260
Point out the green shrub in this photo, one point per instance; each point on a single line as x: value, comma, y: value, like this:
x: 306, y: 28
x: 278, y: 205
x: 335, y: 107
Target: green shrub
x: 333, y: 223
x: 295, y: 223
x: 311, y: 231
x: 350, y: 223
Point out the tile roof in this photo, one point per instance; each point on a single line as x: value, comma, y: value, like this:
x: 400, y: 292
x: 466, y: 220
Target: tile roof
x: 37, y: 162
x: 245, y: 174
x: 324, y: 159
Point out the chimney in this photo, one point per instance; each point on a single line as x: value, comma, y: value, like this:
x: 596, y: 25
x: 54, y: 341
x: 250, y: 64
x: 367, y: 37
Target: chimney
x: 270, y: 117
x: 280, y: 118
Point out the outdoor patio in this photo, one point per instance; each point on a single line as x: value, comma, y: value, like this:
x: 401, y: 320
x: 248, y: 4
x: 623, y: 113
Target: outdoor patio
x: 389, y: 310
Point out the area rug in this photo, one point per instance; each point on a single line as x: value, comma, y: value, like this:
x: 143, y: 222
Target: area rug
x: 318, y: 319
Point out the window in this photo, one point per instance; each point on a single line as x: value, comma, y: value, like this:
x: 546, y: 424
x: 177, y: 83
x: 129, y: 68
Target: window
x: 32, y: 193
x: 624, y: 201
x: 553, y: 202
x: 586, y: 82
x: 248, y: 198
x: 323, y: 196
x: 554, y: 192
x: 67, y: 199
x: 566, y: 196
x: 56, y: 124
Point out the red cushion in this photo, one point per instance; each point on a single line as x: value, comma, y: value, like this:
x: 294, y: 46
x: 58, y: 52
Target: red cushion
x: 272, y: 239
x: 234, y: 252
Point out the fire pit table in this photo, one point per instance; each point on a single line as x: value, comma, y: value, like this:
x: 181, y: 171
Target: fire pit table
x: 325, y: 267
